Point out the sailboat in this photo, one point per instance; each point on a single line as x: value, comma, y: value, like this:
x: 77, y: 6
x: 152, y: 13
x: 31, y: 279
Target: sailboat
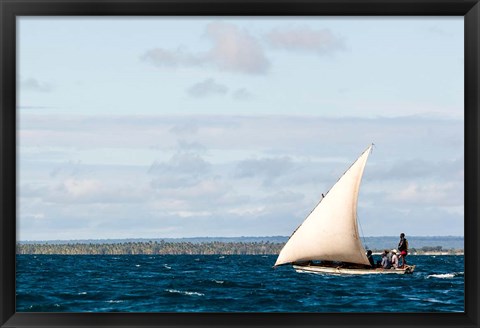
x: 328, y: 241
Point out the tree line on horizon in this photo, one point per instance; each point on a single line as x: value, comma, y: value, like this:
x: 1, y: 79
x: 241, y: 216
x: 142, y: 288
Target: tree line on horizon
x: 154, y: 248
x: 175, y: 248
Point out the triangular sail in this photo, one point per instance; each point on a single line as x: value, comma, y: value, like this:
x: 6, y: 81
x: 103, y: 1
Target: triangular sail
x: 330, y: 231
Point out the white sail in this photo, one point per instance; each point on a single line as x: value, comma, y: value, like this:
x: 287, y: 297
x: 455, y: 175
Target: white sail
x: 330, y: 231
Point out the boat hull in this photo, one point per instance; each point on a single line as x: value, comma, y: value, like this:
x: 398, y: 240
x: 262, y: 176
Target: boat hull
x: 350, y: 271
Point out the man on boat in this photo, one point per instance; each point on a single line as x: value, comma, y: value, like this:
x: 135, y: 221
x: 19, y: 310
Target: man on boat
x: 386, y: 264
x: 370, y: 258
x: 403, y: 249
x: 394, y: 258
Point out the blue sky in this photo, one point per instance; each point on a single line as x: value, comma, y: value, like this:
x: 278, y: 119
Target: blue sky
x: 217, y: 126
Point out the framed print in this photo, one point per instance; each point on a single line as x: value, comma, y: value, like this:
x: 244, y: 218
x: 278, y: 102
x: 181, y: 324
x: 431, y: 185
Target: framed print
x: 207, y: 163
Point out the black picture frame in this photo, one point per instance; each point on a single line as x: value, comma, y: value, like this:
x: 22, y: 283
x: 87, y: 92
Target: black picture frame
x: 10, y: 9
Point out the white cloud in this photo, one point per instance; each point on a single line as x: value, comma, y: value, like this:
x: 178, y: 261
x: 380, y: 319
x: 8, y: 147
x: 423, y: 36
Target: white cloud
x: 32, y: 84
x: 206, y: 88
x: 236, y: 50
x: 230, y: 174
x: 194, y: 147
x: 80, y: 187
x: 242, y: 94
x: 441, y: 194
x: 83, y: 190
x: 209, y: 88
x: 417, y: 168
x: 172, y: 58
x: 233, y: 49
x: 266, y: 168
x: 35, y: 216
x: 188, y: 164
x: 186, y: 128
x: 405, y: 147
x: 305, y: 39
x: 390, y: 219
x: 70, y: 168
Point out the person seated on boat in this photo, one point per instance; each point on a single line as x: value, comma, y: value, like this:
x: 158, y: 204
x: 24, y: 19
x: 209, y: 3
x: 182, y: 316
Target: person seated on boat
x: 394, y: 258
x: 403, y: 249
x: 389, y: 255
x: 386, y: 264
x: 370, y: 258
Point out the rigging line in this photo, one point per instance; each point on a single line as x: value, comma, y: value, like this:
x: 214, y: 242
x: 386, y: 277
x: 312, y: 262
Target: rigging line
x: 361, y: 231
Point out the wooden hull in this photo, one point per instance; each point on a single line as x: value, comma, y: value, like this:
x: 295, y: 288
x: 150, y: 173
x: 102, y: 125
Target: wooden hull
x: 348, y: 271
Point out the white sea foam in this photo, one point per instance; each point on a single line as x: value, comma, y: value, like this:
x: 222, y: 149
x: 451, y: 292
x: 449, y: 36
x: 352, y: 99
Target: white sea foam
x: 218, y: 281
x: 82, y: 293
x: 442, y: 276
x: 175, y: 291
x: 167, y: 267
x: 114, y: 301
x: 445, y: 275
x: 137, y: 265
x: 433, y: 300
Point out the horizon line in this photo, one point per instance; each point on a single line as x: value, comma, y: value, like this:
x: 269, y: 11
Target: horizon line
x: 223, y: 237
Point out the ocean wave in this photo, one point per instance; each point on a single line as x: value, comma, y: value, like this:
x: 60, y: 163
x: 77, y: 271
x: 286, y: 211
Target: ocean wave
x: 432, y: 300
x: 446, y: 275
x: 45, y: 308
x: 213, y: 285
x: 176, y: 291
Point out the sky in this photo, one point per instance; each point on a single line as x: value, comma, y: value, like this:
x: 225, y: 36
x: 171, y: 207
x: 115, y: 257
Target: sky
x: 160, y: 127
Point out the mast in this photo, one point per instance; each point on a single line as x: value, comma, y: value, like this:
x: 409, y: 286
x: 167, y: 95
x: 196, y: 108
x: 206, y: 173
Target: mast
x: 330, y: 231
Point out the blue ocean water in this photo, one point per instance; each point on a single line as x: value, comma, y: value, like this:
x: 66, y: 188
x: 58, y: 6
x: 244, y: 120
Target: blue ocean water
x: 236, y: 283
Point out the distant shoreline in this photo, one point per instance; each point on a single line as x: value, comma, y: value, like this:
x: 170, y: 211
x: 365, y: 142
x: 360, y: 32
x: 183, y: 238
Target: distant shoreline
x: 445, y: 252
x: 188, y: 248
x: 277, y: 239
x: 221, y: 254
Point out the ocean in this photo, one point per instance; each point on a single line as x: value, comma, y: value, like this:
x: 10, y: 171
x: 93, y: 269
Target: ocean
x: 227, y: 283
